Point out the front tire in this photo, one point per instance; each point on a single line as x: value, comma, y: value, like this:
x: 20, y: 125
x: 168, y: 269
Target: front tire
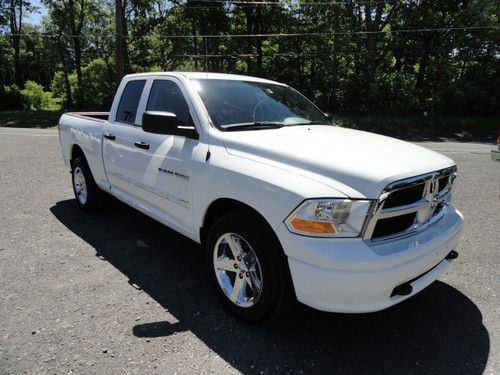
x: 248, y: 268
x: 87, y: 193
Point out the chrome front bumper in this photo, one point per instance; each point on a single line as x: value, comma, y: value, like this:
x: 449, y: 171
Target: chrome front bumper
x: 356, y: 275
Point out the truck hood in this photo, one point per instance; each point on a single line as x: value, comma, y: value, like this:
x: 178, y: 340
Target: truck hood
x: 356, y: 163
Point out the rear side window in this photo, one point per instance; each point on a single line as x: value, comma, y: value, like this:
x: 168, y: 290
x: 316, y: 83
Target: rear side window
x: 167, y: 96
x: 127, y: 109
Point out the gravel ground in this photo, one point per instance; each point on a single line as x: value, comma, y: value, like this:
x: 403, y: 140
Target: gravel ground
x: 116, y: 292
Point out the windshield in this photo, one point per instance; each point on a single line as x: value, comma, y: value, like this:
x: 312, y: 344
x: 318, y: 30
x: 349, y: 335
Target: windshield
x: 236, y: 105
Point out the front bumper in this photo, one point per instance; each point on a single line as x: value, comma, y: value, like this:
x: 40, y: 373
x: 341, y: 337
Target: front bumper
x: 356, y: 275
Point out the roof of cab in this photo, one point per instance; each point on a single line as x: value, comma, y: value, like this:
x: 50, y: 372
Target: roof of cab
x: 203, y: 75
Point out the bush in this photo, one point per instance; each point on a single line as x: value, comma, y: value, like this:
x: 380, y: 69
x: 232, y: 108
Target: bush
x: 58, y: 87
x: 97, y: 90
x: 36, y: 99
x: 98, y: 87
x: 10, y: 98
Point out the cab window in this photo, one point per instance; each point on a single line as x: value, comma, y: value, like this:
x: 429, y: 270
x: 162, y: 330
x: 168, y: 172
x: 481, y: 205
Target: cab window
x: 166, y: 96
x: 127, y: 109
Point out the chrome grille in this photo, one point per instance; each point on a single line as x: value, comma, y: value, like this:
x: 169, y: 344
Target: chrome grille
x: 411, y: 204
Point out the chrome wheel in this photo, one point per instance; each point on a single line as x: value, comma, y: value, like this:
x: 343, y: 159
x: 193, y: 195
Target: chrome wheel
x: 237, y: 269
x: 80, y: 185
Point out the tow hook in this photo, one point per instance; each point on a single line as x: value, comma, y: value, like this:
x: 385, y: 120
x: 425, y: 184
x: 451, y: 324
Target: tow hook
x: 452, y: 255
x: 406, y: 288
x: 402, y: 290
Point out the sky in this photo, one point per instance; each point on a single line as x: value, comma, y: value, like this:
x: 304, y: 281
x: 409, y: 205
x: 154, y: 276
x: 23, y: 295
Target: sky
x: 36, y: 17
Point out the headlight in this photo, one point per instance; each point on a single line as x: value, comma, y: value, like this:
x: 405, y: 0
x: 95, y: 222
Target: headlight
x: 329, y: 217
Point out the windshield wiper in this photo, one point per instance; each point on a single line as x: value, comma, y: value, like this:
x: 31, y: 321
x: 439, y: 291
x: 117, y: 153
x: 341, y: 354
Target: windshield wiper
x: 309, y: 123
x: 254, y: 126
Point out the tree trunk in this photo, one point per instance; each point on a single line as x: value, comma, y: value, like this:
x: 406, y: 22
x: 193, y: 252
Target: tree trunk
x: 17, y: 61
x: 195, y: 43
x: 424, y: 60
x: 78, y: 59
x: 258, y: 30
x: 355, y: 18
x: 372, y: 25
x: 76, y: 32
x: 332, y: 97
x: 249, y: 17
x: 16, y: 29
x: 62, y: 54
x: 120, y: 45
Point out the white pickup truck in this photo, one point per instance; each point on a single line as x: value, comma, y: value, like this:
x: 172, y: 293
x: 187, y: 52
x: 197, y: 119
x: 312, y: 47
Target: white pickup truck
x: 287, y: 206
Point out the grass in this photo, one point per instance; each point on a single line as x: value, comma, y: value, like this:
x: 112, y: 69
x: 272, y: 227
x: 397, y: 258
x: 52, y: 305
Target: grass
x: 30, y: 119
x: 483, y: 129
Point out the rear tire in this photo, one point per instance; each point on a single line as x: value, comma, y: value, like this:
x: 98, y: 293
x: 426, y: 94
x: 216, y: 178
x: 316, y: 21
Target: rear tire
x: 87, y: 194
x: 257, y: 286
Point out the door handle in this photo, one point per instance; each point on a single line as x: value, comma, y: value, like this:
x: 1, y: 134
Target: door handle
x: 143, y: 145
x: 109, y: 136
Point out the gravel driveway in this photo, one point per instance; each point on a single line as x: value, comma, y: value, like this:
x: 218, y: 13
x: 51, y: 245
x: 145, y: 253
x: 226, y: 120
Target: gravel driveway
x: 116, y: 292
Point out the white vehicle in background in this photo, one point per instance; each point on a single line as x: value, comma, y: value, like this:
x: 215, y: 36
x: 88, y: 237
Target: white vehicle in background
x: 495, y: 154
x: 287, y: 206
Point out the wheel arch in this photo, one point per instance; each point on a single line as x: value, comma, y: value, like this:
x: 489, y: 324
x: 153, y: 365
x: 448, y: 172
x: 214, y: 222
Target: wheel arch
x: 76, y: 151
x: 221, y: 206
x: 284, y: 295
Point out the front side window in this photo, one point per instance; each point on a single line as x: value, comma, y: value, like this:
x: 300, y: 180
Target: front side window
x: 166, y: 96
x: 235, y: 105
x: 127, y: 109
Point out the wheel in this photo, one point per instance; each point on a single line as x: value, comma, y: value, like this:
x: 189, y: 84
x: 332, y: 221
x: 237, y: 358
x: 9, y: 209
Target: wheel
x: 87, y: 193
x: 248, y: 268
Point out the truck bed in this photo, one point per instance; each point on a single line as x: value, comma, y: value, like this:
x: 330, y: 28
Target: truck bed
x: 85, y: 130
x: 97, y: 116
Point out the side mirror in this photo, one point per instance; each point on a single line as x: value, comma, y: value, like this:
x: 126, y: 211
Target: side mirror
x: 158, y: 122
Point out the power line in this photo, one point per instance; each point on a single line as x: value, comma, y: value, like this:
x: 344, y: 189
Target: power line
x: 237, y: 55
x: 279, y: 3
x: 321, y: 3
x: 232, y: 7
x: 276, y: 35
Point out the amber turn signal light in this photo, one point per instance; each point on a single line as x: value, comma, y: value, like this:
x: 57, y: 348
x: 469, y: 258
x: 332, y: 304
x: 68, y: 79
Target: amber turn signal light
x: 320, y: 227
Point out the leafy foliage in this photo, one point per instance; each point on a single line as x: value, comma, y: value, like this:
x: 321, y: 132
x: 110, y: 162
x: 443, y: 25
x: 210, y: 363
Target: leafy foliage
x: 35, y: 98
x: 405, y: 57
x: 11, y: 97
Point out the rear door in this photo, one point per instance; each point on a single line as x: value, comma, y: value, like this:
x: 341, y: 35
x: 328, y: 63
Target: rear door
x: 120, y: 133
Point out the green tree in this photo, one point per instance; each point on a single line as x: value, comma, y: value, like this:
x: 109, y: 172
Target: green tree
x: 406, y: 57
x: 35, y: 98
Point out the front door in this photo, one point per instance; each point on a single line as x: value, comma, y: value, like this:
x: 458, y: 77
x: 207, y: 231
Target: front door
x: 166, y: 161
